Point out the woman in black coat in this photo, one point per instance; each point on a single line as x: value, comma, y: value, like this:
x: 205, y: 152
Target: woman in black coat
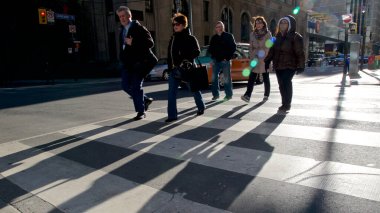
x: 182, y: 47
x: 288, y: 58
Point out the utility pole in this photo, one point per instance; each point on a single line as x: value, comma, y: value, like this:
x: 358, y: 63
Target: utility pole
x: 349, y: 11
x: 363, y: 33
x: 345, y: 49
x: 191, y: 16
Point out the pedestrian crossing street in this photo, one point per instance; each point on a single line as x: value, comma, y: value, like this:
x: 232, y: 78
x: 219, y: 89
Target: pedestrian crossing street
x: 322, y: 156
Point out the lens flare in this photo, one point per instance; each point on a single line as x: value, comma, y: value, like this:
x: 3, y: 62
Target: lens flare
x: 269, y: 43
x: 296, y: 10
x: 261, y: 53
x: 246, y: 72
x: 254, y: 63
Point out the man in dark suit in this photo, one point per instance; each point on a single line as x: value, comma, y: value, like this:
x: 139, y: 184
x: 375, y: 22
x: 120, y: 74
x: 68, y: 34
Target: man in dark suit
x: 137, y: 59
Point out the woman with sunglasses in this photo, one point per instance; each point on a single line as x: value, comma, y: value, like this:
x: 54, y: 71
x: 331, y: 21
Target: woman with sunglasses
x: 182, y: 47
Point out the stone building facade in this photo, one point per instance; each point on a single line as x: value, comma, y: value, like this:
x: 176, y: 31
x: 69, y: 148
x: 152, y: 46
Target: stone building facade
x: 203, y: 14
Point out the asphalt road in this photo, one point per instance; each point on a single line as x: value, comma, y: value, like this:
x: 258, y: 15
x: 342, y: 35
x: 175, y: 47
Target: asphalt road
x: 74, y: 148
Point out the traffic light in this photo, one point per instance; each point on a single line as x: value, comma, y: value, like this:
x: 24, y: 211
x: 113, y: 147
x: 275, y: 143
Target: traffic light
x: 42, y: 16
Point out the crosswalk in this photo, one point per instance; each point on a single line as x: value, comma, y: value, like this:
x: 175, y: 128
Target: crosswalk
x: 322, y: 156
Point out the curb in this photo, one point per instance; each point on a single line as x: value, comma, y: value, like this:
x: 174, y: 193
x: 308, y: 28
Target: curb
x: 371, y: 73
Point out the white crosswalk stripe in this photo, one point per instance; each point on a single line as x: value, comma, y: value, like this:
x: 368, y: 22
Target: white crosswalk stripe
x: 96, y: 167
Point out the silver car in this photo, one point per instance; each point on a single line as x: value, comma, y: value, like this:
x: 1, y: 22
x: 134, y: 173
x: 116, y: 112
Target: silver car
x: 160, y: 71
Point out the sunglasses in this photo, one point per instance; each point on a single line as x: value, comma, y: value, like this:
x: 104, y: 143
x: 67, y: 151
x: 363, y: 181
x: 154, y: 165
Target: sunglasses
x: 176, y: 24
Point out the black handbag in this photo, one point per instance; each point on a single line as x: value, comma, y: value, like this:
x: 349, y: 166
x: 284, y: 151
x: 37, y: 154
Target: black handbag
x: 184, y: 71
x: 199, y: 78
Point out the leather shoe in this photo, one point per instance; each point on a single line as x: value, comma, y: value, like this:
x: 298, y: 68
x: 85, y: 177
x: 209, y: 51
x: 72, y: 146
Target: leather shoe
x: 227, y: 98
x: 284, y: 108
x: 147, y: 102
x: 139, y: 116
x: 201, y: 112
x: 170, y: 120
x: 215, y: 98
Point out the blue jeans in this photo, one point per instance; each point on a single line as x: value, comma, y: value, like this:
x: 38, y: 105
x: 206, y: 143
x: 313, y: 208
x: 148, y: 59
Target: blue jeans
x: 225, y: 67
x: 251, y: 83
x: 172, y: 97
x: 132, y: 83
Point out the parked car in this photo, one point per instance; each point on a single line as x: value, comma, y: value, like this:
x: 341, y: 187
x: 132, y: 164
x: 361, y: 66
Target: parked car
x: 238, y: 63
x: 365, y: 59
x: 339, y: 60
x: 315, y: 60
x: 330, y: 60
x: 160, y: 71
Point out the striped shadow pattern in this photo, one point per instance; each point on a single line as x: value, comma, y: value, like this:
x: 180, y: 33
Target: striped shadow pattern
x: 322, y: 156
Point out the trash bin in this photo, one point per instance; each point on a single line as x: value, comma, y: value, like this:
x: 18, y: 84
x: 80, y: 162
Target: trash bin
x: 371, y: 62
x: 377, y: 62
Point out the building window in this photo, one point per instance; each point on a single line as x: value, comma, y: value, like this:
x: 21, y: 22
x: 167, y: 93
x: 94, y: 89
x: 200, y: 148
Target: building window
x: 226, y: 18
x: 182, y: 7
x: 272, y: 27
x: 205, y: 10
x: 207, y: 40
x: 109, y: 6
x: 149, y: 5
x: 245, y: 27
x: 138, y: 15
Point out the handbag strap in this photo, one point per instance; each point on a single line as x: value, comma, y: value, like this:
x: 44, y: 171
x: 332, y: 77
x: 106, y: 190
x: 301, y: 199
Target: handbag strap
x: 199, y: 62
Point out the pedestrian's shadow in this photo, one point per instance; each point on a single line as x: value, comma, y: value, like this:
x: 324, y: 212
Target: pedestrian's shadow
x: 91, y: 155
x: 139, y: 155
x: 221, y: 174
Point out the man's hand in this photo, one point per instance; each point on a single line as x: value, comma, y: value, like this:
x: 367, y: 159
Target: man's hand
x: 299, y: 70
x: 128, y: 41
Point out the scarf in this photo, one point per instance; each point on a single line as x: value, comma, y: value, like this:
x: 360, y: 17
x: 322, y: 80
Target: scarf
x: 260, y: 33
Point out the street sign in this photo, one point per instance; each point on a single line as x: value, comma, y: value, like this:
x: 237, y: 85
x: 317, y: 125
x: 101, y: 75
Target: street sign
x: 50, y: 16
x: 353, y: 27
x: 347, y: 18
x: 65, y: 17
x: 72, y: 28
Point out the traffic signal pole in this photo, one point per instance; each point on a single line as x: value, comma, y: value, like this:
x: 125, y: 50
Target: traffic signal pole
x: 345, y: 50
x: 363, y: 33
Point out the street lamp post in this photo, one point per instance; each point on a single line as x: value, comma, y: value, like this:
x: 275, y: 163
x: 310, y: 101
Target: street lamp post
x: 349, y: 10
x: 363, y: 33
x: 345, y: 49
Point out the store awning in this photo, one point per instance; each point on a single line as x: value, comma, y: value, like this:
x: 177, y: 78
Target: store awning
x: 322, y: 38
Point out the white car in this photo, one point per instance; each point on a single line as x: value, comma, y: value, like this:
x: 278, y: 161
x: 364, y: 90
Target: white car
x: 160, y: 71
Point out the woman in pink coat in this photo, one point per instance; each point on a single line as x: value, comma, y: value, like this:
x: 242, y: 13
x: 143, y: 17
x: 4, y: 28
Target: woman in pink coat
x: 258, y: 52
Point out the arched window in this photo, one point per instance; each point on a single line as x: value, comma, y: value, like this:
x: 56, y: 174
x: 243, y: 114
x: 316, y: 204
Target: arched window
x: 245, y: 27
x: 181, y: 6
x: 272, y: 27
x: 226, y: 18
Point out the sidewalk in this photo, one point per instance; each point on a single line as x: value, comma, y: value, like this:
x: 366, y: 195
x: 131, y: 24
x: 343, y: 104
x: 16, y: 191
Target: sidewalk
x: 373, y: 73
x: 366, y: 77
x: 56, y: 82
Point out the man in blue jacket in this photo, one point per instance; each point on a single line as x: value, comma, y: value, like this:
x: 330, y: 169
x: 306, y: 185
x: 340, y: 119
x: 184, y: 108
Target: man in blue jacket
x: 137, y: 59
x: 222, y: 48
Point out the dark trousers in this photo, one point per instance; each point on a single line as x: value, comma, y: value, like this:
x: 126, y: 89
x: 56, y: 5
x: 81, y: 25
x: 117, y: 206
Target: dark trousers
x: 172, y: 97
x: 251, y: 83
x: 284, y: 79
x: 132, y: 83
